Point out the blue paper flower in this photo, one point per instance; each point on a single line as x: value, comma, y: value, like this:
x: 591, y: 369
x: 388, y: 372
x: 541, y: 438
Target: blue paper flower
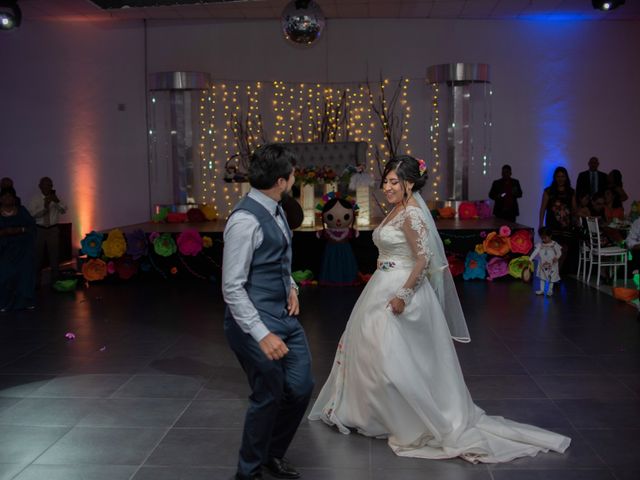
x: 475, y: 266
x: 92, y: 244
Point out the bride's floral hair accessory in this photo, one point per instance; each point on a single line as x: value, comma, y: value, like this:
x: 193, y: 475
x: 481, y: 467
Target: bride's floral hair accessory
x: 422, y: 166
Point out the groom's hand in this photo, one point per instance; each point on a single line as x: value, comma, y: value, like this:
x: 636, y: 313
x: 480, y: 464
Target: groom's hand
x: 293, y: 305
x: 273, y: 347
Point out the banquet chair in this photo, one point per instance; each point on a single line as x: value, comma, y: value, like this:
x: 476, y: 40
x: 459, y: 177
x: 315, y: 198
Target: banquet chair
x: 584, y: 254
x: 604, y: 256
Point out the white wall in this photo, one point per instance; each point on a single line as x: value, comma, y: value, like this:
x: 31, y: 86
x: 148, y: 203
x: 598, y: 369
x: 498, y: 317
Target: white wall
x: 61, y: 85
x: 564, y: 90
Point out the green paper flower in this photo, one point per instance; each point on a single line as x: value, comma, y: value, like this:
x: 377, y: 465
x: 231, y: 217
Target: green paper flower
x: 165, y: 245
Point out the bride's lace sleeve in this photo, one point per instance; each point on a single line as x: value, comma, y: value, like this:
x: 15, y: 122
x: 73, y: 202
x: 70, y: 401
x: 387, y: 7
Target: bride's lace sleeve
x: 415, y: 231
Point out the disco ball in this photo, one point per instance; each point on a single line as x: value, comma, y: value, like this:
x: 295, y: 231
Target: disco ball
x: 302, y: 21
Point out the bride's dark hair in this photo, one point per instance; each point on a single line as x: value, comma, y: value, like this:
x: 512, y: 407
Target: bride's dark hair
x: 407, y: 169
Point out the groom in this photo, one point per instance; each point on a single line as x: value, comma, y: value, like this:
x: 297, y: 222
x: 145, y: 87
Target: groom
x: 260, y: 320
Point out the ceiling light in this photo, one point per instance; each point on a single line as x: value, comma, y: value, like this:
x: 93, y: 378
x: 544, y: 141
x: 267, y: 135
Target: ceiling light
x: 606, y: 5
x: 10, y: 14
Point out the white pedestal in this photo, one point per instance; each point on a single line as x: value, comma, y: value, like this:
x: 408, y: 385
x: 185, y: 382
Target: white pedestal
x: 363, y: 196
x: 308, y: 201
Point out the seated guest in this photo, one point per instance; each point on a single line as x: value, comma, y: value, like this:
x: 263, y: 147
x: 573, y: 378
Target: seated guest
x: 633, y: 244
x: 612, y: 205
x: 584, y: 209
x: 614, y: 181
x: 17, y: 249
x: 597, y: 208
x: 7, y: 182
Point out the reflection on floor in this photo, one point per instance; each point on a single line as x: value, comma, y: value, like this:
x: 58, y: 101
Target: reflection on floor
x: 149, y: 389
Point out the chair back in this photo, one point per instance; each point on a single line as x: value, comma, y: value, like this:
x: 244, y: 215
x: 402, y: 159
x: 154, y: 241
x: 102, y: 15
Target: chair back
x: 594, y: 233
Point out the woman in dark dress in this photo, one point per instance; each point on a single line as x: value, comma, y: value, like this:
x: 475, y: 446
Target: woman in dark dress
x: 17, y: 253
x: 557, y: 211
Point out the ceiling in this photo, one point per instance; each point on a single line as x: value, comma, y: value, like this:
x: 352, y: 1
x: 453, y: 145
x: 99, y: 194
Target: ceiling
x: 271, y: 9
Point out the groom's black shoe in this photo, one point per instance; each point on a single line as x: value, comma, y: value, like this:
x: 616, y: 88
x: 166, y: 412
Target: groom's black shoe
x: 280, y: 468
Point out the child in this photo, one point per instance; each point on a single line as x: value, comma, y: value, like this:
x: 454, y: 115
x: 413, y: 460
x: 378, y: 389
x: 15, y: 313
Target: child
x: 549, y: 253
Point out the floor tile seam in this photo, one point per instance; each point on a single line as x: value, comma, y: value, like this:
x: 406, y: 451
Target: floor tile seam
x: 159, y: 354
x: 69, y: 429
x: 162, y: 437
x: 577, y: 430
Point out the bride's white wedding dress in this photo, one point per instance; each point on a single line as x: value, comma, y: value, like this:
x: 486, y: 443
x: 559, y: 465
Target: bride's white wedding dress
x: 398, y: 376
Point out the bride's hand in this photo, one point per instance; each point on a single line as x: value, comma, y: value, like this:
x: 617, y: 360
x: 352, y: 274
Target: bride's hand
x: 397, y: 305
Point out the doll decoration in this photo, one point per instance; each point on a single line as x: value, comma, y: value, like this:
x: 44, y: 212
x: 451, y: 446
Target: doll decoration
x: 339, y: 266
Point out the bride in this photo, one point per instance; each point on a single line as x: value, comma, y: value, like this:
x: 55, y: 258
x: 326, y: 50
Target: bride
x: 396, y: 373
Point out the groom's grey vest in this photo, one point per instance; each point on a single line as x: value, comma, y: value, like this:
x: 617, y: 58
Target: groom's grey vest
x: 269, y: 278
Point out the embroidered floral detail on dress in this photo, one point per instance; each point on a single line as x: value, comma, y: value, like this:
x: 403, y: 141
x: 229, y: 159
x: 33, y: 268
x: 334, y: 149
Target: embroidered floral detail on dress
x: 386, y: 265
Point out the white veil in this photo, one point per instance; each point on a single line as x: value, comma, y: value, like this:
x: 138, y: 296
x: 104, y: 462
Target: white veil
x: 441, y: 279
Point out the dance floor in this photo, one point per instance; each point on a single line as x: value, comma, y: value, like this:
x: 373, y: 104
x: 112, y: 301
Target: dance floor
x: 149, y: 389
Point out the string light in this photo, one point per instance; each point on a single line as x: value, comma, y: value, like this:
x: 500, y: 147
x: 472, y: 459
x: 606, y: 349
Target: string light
x: 435, y: 139
x: 298, y: 111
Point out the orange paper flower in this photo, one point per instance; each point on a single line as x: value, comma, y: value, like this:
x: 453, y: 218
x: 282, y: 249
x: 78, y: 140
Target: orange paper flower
x: 94, y: 269
x: 496, y: 245
x: 447, y: 212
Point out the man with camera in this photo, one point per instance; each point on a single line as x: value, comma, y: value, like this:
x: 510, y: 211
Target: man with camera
x: 46, y: 208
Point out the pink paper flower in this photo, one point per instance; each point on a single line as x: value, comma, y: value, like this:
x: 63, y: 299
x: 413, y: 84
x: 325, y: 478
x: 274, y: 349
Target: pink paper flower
x: 190, y: 242
x: 505, y: 231
x: 111, y: 267
x: 467, y: 210
x: 153, y: 236
x: 483, y: 208
x: 497, y: 267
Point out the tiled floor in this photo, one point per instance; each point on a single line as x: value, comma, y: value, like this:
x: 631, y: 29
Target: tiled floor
x: 149, y: 389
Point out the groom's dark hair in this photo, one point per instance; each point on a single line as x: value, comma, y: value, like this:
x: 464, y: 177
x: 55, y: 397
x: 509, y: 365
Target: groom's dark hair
x: 268, y: 163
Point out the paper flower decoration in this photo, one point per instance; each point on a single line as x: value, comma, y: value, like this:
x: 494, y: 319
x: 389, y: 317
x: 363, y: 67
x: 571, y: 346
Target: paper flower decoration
x: 126, y: 267
x: 111, y: 267
x: 484, y: 209
x: 92, y: 244
x: 175, y: 217
x: 467, y: 210
x: 497, y: 267
x: 137, y: 245
x: 115, y: 245
x: 153, y: 236
x: 195, y: 215
x: 480, y: 248
x: 483, y: 234
x: 190, y: 242
x: 504, y: 231
x: 68, y: 285
x: 518, y: 265
x: 521, y: 242
x: 456, y: 265
x: 207, y: 242
x: 94, y: 269
x: 164, y: 245
x: 447, y: 212
x: 496, y: 245
x: 209, y: 212
x: 161, y: 216
x: 475, y: 266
